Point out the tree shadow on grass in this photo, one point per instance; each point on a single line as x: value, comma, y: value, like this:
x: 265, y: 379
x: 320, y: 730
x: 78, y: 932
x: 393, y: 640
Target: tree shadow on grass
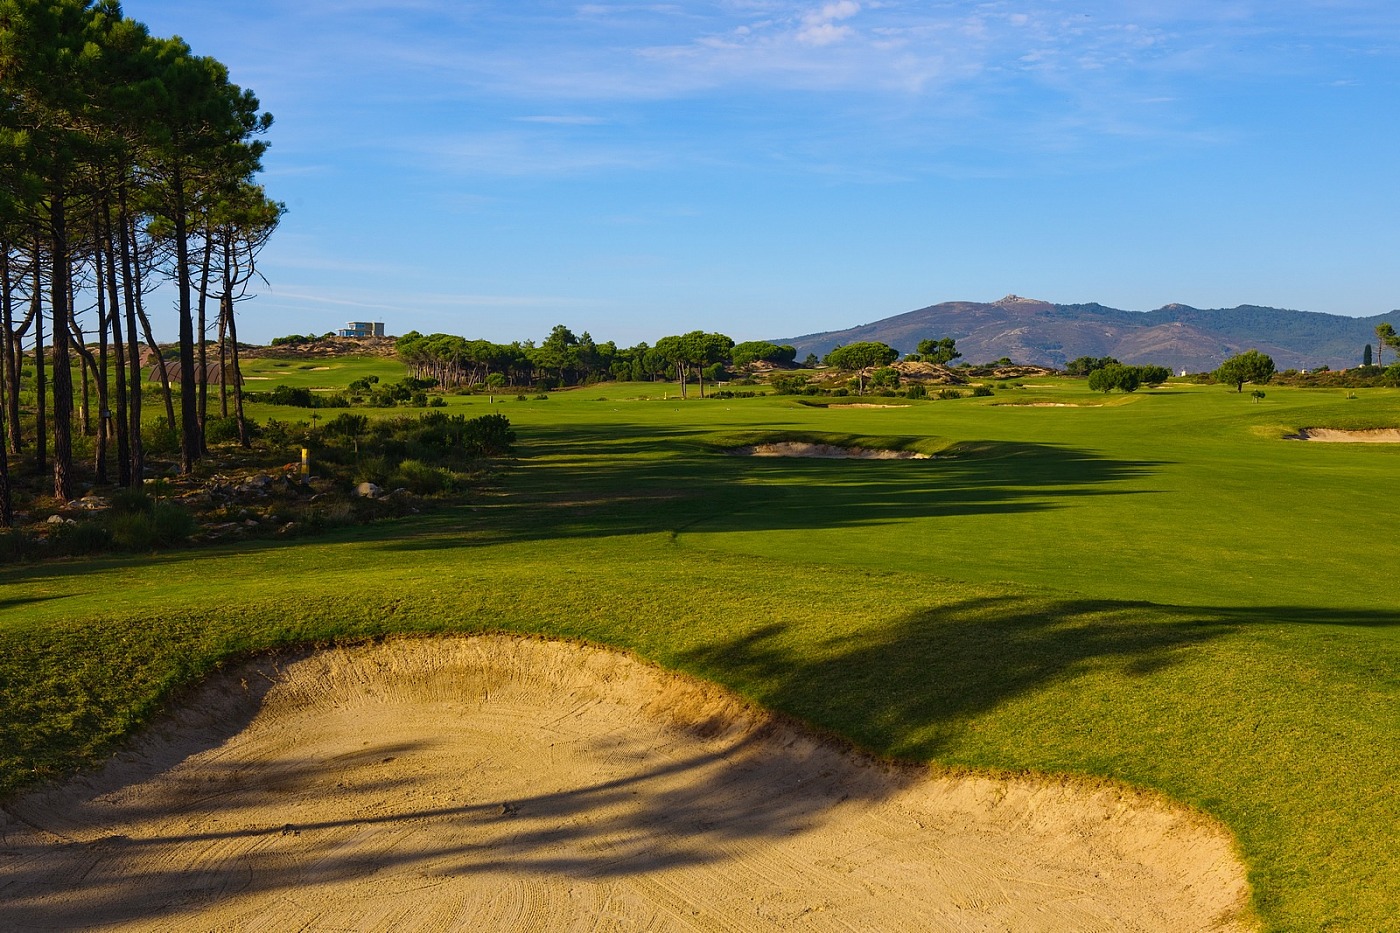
x: 580, y: 489
x: 908, y: 686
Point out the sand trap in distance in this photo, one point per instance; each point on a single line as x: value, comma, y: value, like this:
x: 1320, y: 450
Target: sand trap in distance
x: 497, y: 783
x: 1337, y: 436
x: 824, y: 451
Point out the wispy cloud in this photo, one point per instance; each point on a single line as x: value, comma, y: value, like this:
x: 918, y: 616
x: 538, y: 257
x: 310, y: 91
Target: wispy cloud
x: 392, y: 302
x: 562, y: 120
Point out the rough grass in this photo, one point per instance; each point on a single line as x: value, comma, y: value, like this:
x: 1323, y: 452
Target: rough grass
x: 1158, y: 592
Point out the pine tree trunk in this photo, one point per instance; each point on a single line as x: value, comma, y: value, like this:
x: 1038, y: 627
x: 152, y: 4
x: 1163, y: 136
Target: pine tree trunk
x: 133, y: 346
x: 119, y: 418
x: 62, y: 372
x: 9, y: 345
x: 203, y: 413
x: 41, y: 377
x: 190, y: 442
x: 245, y: 439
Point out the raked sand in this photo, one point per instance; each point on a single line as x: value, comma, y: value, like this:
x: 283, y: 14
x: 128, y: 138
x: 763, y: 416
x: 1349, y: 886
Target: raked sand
x: 498, y: 783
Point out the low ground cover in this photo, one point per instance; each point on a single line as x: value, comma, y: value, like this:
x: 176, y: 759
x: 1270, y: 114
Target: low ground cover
x: 1163, y: 592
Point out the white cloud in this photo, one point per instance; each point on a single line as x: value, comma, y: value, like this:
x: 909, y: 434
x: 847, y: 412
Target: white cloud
x: 562, y: 120
x: 819, y: 26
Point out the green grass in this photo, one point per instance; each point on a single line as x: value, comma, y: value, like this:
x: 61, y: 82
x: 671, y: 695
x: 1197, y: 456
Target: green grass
x: 1159, y: 591
x: 262, y: 373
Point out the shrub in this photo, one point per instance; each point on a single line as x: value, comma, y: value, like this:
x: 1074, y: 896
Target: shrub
x: 788, y: 384
x: 277, y: 432
x: 885, y: 376
x: 171, y: 523
x: 16, y: 545
x: 488, y: 435
x: 917, y: 390
x: 1153, y: 375
x: 160, y: 437
x: 421, y: 478
x: 130, y: 502
x: 220, y: 430
x: 1115, y: 376
x: 982, y: 391
x: 347, y: 425
x: 83, y: 538
x: 946, y: 393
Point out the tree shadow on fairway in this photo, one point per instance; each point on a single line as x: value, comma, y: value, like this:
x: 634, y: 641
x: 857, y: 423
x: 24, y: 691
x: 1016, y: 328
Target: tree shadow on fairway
x: 909, y: 685
x: 579, y: 488
x: 912, y: 685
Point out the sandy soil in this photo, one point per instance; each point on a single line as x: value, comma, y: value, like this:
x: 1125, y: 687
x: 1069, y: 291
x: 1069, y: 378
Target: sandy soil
x: 1335, y: 436
x: 865, y: 405
x: 494, y: 783
x: 824, y: 451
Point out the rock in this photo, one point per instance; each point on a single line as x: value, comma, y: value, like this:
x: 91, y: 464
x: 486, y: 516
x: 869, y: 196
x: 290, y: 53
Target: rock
x: 368, y: 491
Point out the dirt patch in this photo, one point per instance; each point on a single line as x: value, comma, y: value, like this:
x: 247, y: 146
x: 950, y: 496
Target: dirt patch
x: 824, y: 451
x: 1337, y: 436
x: 1041, y: 405
x: 503, y: 783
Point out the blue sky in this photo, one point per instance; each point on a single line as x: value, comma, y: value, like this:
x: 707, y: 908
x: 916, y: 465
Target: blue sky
x: 771, y: 168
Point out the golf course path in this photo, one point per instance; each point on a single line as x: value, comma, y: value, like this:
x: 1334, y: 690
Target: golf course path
x: 498, y: 783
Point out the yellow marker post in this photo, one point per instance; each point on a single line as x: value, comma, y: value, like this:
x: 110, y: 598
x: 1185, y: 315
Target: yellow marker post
x: 306, y: 461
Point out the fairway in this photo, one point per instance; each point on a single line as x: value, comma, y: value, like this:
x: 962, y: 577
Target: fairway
x: 1155, y: 589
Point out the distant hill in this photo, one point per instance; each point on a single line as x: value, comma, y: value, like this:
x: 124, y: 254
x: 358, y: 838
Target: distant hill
x: 1177, y: 336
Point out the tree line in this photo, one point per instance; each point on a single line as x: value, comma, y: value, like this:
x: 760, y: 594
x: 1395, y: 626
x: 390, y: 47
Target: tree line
x: 566, y: 359
x: 128, y: 161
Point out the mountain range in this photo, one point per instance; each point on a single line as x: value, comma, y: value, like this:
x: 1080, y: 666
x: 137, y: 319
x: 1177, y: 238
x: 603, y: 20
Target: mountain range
x: 1180, y: 337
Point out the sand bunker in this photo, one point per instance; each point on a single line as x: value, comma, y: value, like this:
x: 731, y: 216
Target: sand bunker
x: 825, y: 451
x: 493, y: 783
x: 1335, y: 436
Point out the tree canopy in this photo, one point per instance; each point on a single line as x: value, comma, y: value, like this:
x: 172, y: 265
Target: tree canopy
x: 125, y: 157
x: 1249, y: 366
x: 861, y: 356
x: 938, y: 351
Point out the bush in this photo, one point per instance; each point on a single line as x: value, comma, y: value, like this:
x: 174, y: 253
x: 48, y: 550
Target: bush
x: 916, y: 390
x: 1115, y: 376
x: 946, y: 393
x: 788, y: 384
x: 16, y: 545
x: 982, y: 391
x: 277, y: 433
x: 421, y: 478
x: 488, y: 435
x: 130, y: 502
x: 160, y: 437
x: 83, y: 538
x: 1153, y: 375
x: 347, y: 425
x: 221, y: 430
x: 885, y: 376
